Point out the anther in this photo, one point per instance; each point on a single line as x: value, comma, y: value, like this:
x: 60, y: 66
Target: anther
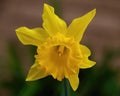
x: 61, y: 50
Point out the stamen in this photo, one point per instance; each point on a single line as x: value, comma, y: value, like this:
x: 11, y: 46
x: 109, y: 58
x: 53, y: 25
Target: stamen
x: 60, y: 50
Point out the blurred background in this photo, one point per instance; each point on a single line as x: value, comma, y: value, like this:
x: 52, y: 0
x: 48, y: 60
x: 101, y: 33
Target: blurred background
x: 101, y: 36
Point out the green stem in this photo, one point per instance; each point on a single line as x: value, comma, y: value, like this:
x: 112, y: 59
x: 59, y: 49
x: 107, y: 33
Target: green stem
x: 66, y: 88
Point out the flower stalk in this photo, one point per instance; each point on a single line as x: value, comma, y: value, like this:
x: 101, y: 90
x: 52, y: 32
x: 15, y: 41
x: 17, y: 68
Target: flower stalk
x: 66, y: 87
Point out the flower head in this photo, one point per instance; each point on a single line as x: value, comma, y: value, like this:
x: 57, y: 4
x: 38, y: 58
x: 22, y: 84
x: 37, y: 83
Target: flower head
x: 59, y: 52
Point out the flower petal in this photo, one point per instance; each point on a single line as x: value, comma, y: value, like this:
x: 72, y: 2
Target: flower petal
x: 31, y: 36
x: 36, y: 72
x: 74, y: 81
x: 86, y: 63
x: 85, y: 51
x: 78, y: 25
x: 51, y: 22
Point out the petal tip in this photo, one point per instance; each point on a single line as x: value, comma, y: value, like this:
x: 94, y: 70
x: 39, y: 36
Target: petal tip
x: 29, y: 79
x: 94, y: 63
x: 20, y: 29
x: 93, y: 11
x: 45, y: 4
x: 74, y: 81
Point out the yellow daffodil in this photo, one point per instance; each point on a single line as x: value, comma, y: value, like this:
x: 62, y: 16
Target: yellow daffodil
x: 59, y: 52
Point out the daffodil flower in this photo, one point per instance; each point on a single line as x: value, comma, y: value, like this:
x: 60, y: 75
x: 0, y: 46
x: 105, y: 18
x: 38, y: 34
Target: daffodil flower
x: 59, y: 51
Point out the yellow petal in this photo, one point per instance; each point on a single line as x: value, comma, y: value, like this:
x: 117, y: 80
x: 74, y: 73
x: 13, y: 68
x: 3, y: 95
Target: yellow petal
x: 51, y: 22
x: 36, y: 72
x: 85, y: 51
x: 78, y: 25
x: 86, y: 63
x: 31, y: 36
x: 74, y: 81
